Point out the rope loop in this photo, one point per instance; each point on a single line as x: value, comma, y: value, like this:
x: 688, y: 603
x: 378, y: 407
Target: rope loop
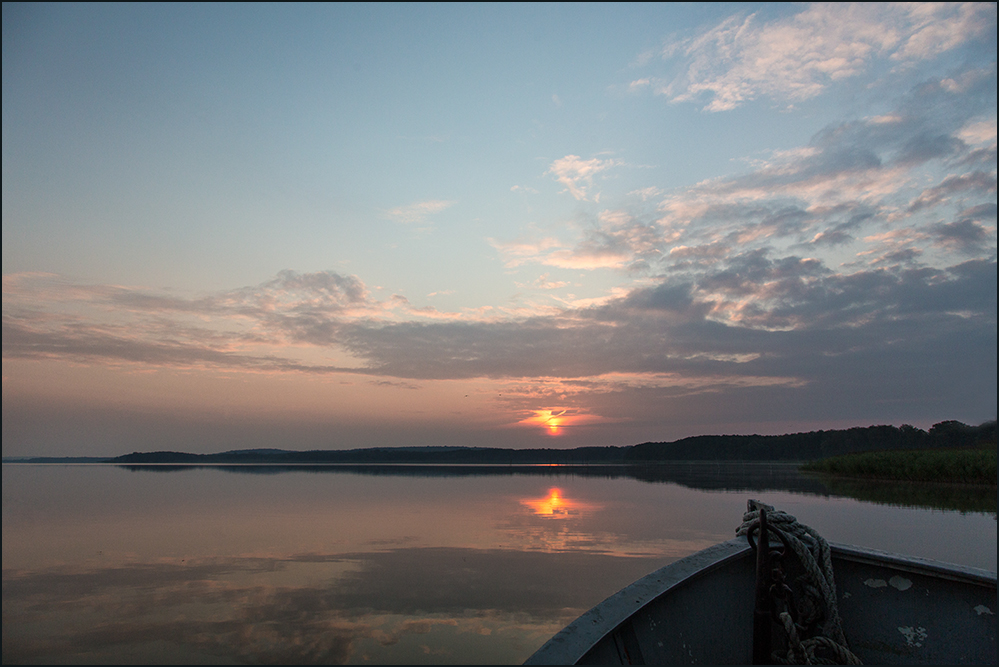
x: 816, y: 623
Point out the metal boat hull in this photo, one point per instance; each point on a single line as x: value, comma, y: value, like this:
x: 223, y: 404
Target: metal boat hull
x: 895, y: 610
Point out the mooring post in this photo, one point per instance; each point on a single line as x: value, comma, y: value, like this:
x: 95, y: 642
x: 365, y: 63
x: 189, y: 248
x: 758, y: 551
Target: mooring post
x: 762, y: 637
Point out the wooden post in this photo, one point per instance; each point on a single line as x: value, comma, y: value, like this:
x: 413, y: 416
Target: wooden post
x: 762, y: 637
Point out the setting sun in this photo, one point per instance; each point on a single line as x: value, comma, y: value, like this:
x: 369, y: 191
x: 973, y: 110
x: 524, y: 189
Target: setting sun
x: 553, y: 425
x: 556, y: 420
x: 552, y: 420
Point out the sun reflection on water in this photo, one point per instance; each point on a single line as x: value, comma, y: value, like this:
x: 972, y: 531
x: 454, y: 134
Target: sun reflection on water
x: 556, y: 506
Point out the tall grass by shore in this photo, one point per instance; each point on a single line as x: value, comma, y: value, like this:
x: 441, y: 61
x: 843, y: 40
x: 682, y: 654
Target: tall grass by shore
x: 968, y: 466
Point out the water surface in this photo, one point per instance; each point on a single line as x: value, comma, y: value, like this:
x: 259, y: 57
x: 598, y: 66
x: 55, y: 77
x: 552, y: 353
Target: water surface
x: 105, y: 564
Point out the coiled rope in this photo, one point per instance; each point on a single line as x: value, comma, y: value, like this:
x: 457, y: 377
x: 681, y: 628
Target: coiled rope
x: 816, y: 599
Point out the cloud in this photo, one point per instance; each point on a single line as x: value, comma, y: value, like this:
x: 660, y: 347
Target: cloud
x: 877, y: 237
x: 872, y: 246
x: 869, y: 157
x: 823, y: 243
x: 676, y: 328
x: 835, y: 197
x: 933, y: 28
x: 418, y: 212
x: 966, y: 234
x: 394, y: 384
x: 979, y: 132
x: 976, y: 180
x: 542, y: 282
x: 520, y: 251
x: 47, y: 317
x: 616, y: 239
x: 576, y: 174
x: 648, y: 193
x: 738, y: 332
x: 794, y: 58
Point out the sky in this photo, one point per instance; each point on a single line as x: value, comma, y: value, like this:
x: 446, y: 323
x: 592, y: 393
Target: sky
x: 338, y: 226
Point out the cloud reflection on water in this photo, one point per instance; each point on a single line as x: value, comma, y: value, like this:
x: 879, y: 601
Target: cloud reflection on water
x: 103, y: 564
x: 245, y: 609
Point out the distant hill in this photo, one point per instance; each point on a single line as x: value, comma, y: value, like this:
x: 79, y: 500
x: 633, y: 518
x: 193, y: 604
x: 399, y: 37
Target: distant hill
x: 424, y: 455
x: 57, y: 459
x: 790, y: 447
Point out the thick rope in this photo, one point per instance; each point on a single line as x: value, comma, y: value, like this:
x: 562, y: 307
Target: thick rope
x: 813, y: 552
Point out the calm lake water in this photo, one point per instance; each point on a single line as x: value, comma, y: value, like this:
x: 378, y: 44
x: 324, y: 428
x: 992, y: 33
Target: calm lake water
x: 105, y: 564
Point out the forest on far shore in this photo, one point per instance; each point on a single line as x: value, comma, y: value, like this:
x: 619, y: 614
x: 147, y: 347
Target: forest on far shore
x: 790, y: 447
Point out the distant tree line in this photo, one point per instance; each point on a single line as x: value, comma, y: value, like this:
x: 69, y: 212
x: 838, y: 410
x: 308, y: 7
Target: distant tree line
x: 376, y: 455
x: 816, y: 444
x: 791, y: 447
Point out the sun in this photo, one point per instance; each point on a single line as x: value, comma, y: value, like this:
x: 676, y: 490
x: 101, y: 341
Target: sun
x: 561, y: 421
x: 553, y: 421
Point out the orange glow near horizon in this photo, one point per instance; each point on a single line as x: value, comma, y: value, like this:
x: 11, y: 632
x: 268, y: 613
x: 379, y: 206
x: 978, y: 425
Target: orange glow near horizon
x: 552, y: 420
x: 555, y: 421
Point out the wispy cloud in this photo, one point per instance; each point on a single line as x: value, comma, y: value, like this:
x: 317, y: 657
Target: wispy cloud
x: 845, y: 191
x: 576, y: 174
x: 520, y: 251
x: 975, y: 181
x: 797, y: 57
x: 542, y: 282
x: 418, y: 212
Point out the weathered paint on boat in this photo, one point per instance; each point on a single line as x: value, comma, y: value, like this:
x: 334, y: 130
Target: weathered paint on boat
x: 895, y: 610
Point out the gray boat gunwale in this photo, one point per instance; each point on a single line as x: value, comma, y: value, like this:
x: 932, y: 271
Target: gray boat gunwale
x: 570, y: 644
x: 603, y: 619
x: 915, y: 564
